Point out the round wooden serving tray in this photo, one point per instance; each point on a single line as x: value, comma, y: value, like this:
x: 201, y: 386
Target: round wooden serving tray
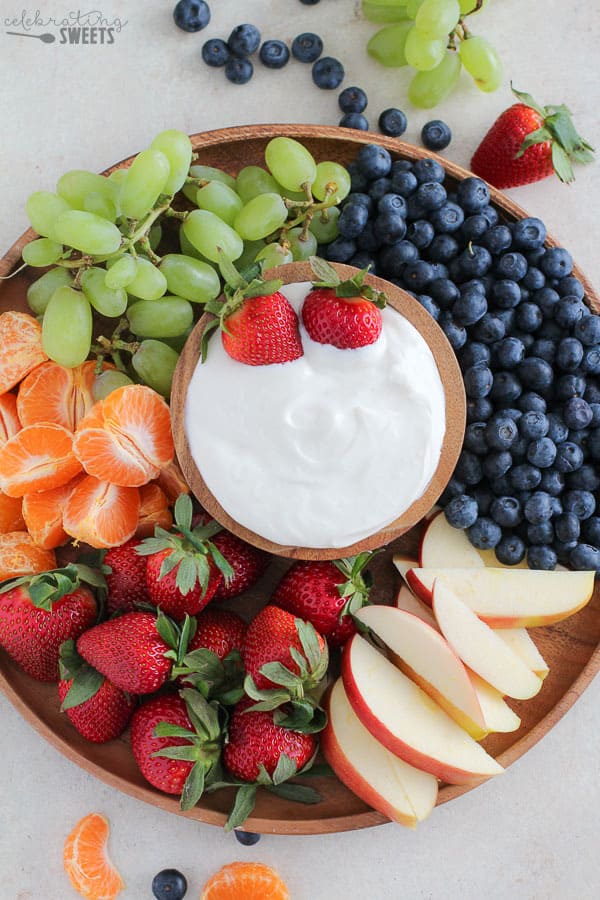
x: 571, y: 648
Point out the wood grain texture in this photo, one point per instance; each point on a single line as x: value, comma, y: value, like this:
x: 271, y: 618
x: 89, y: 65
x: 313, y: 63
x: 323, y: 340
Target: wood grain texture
x: 571, y: 648
x: 455, y: 421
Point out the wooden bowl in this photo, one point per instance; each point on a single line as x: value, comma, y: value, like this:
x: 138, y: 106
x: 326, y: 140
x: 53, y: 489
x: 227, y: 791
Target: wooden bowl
x: 455, y: 403
x: 571, y: 648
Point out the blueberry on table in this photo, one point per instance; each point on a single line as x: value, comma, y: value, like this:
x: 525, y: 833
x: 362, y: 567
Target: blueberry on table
x: 462, y: 511
x: 274, y: 54
x: 191, y: 15
x: 239, y: 71
x: 244, y: 40
x: 352, y: 100
x: 585, y: 557
x: 169, y: 885
x: 354, y: 120
x: 309, y: 2
x: 392, y: 122
x: 247, y: 838
x: 436, y: 135
x: 307, y: 47
x: 327, y: 73
x: 215, y: 52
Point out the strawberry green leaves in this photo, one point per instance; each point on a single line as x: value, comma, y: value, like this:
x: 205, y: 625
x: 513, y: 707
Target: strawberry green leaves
x: 216, y: 679
x: 358, y: 585
x: 353, y: 287
x: 49, y: 587
x: 87, y: 681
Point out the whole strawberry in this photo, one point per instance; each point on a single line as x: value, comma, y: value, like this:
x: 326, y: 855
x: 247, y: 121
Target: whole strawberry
x: 344, y: 314
x: 161, y: 727
x: 326, y: 594
x: 126, y: 580
x: 529, y: 142
x: 39, y: 612
x: 248, y: 562
x: 218, y: 631
x: 259, y: 327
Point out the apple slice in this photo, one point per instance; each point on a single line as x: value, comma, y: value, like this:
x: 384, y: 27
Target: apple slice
x: 426, y: 657
x: 521, y: 643
x: 445, y: 547
x: 404, y: 563
x: 510, y: 598
x: 407, y: 721
x: 387, y: 783
x: 406, y: 600
x: 497, y: 713
x: 480, y: 648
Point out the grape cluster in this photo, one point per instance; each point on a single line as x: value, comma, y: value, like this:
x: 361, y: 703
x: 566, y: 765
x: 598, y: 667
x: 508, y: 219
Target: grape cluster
x: 432, y: 37
x: 527, y: 479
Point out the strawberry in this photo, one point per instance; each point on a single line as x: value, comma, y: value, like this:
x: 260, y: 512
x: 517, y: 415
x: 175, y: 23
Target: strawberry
x: 39, y: 612
x: 248, y: 562
x: 184, y: 567
x: 529, y: 142
x: 258, y: 325
x: 326, y: 594
x: 218, y: 631
x: 126, y: 580
x: 97, y: 708
x: 176, y: 741
x: 342, y: 313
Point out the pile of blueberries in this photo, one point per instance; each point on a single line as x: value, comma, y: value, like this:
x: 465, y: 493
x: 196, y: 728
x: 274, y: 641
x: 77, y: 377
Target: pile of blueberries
x: 526, y: 483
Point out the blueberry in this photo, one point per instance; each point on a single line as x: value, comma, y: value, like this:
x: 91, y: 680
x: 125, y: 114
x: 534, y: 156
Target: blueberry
x: 215, y: 52
x: 402, y: 165
x: 534, y: 279
x: 496, y: 464
x: 447, y: 218
x: 308, y: 3
x: 307, y: 47
x: 484, y: 498
x: 489, y: 329
x: 392, y: 203
x: 239, y: 71
x: 274, y: 54
x: 374, y: 161
x: 474, y: 439
x: 390, y: 227
x: 533, y: 425
x: 474, y: 261
x: 585, y: 478
x: 244, y: 40
x: 431, y: 195
x: 580, y: 437
x: 567, y: 527
x: 473, y: 194
x: 354, y: 120
x: 590, y: 364
x: 392, y: 122
x: 536, y: 373
x: 569, y: 354
x: 246, y: 838
x: 544, y: 348
x: 363, y: 199
x: 497, y: 239
x: 474, y: 227
x: 491, y: 215
x: 358, y: 181
x: 420, y: 233
x: 556, y: 262
x: 541, y: 452
x: 587, y: 329
x: 443, y: 248
x: 568, y: 386
x: 568, y: 311
x: 546, y: 299
x: 474, y: 352
x: 506, y: 388
x: 501, y: 486
x: 379, y: 188
x: 352, y: 100
x: 557, y: 430
x: 506, y: 511
x: 591, y: 530
x: 542, y: 557
x: 404, y: 183
x: 436, y: 135
x: 524, y: 477
x: 341, y: 250
x: 462, y: 511
x: 477, y: 410
x: 552, y: 482
x: 512, y: 266
x: 585, y: 557
x: 530, y: 401
x: 541, y: 533
x: 569, y: 457
x: 428, y: 170
x: 581, y: 503
x: 393, y: 258
x: 506, y: 293
x: 529, y: 317
x: 529, y: 234
x: 469, y: 308
x: 485, y: 534
x: 191, y: 15
x: 501, y: 432
x: 577, y: 413
x: 538, y: 508
x: 510, y: 550
x: 352, y: 220
x: 169, y: 885
x: 328, y: 73
x: 430, y: 305
x: 417, y: 276
x: 512, y: 413
x: 509, y: 352
x: 453, y: 489
x: 592, y: 393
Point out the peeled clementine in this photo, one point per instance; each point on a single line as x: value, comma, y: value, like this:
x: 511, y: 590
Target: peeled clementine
x: 86, y: 861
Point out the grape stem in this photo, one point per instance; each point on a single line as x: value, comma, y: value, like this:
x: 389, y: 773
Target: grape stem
x: 12, y: 274
x: 114, y: 345
x: 152, y: 256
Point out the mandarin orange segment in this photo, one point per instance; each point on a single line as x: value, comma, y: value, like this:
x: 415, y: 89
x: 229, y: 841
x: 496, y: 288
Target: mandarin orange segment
x: 9, y: 417
x: 245, y: 881
x: 43, y: 514
x: 37, y: 458
x: 171, y: 481
x: 54, y: 393
x: 11, y: 514
x: 21, y: 344
x: 126, y: 438
x: 86, y: 861
x: 101, y: 514
x: 154, y: 510
x: 20, y: 556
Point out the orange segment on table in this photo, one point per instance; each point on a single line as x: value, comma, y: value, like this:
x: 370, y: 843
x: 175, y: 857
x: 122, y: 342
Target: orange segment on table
x: 19, y: 555
x: 245, y: 881
x: 43, y: 514
x: 101, y: 514
x: 37, y: 458
x: 9, y: 417
x: 86, y: 860
x: 54, y: 393
x: 154, y: 510
x: 126, y: 438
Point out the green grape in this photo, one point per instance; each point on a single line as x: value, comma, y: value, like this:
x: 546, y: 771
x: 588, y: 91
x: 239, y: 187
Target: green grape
x: 189, y: 278
x: 76, y: 185
x: 154, y: 362
x: 412, y: 8
x: 167, y: 317
x: 252, y: 181
x: 292, y: 195
x: 387, y: 44
x: 155, y: 235
x: 248, y: 257
x: 423, y: 53
x: 210, y: 235
x: 118, y: 176
x: 274, y: 255
x: 178, y: 343
x: 384, y: 10
x: 177, y: 147
x: 145, y: 181
x: 324, y: 225
x: 206, y: 173
x: 290, y: 163
x: 427, y: 89
x: 111, y: 302
x: 331, y: 173
x: 261, y: 216
x: 437, y: 18
x: 469, y: 6
x: 100, y: 205
x: 482, y: 63
x: 40, y: 291
x: 301, y: 249
x: 121, y: 272
x: 219, y: 199
x: 42, y: 252
x: 43, y: 209
x: 149, y: 283
x: 67, y: 327
x: 87, y: 232
x: 187, y: 248
x: 108, y: 381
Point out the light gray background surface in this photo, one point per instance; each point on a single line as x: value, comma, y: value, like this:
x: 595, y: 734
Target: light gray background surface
x: 531, y: 834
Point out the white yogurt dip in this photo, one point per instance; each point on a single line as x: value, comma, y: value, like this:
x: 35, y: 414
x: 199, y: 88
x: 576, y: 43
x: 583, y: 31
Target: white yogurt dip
x: 325, y: 450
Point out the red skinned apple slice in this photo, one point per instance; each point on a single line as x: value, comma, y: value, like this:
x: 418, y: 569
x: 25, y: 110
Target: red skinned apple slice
x: 404, y: 563
x: 407, y: 721
x: 388, y: 784
x: 407, y: 601
x: 426, y: 657
x: 521, y: 643
x: 445, y: 547
x: 480, y: 648
x: 497, y: 713
x: 510, y: 598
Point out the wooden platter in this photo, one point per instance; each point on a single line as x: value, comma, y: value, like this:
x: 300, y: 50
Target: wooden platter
x: 571, y: 648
